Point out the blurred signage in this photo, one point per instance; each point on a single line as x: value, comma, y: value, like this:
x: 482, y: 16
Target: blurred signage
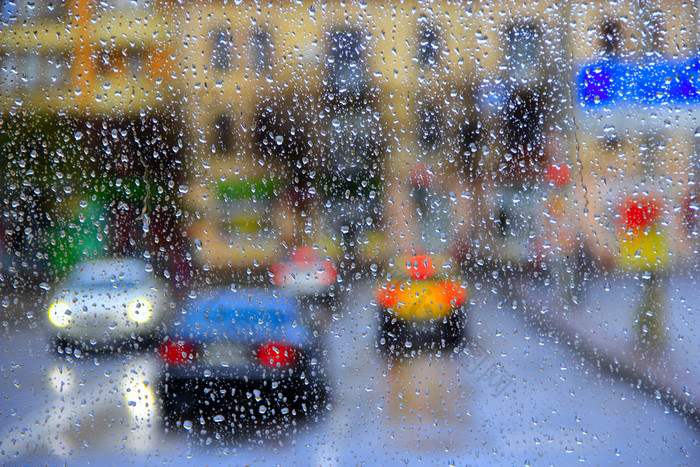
x: 656, y: 82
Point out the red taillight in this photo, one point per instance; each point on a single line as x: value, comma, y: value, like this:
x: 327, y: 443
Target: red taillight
x: 275, y: 355
x: 327, y: 274
x: 304, y: 255
x: 557, y: 174
x: 177, y: 352
x: 284, y: 273
x: 279, y: 272
x: 421, y: 175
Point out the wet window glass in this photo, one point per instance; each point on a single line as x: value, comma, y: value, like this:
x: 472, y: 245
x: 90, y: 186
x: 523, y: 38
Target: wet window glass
x: 349, y: 232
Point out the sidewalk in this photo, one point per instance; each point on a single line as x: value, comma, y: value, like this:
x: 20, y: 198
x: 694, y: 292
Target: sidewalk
x: 600, y: 328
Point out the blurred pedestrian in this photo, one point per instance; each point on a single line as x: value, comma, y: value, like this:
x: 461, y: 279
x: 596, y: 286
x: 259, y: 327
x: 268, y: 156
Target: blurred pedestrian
x: 644, y: 249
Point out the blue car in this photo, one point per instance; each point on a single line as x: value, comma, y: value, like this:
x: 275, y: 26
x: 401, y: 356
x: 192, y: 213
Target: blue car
x: 240, y: 358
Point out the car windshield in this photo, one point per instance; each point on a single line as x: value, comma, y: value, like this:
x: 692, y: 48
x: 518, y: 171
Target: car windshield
x: 349, y: 232
x: 122, y: 272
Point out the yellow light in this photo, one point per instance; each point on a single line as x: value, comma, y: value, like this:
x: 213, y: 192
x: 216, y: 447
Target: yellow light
x: 422, y: 300
x: 60, y: 314
x: 140, y: 310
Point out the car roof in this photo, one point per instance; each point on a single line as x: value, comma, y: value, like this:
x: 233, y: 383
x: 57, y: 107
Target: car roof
x: 110, y: 270
x: 252, y: 312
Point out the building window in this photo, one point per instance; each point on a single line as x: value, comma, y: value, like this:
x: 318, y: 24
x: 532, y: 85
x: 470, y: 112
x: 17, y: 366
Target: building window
x: 35, y: 66
x: 430, y: 128
x: 223, y: 133
x: 654, y: 35
x: 345, y: 63
x: 524, y: 119
x: 523, y: 46
x: 649, y: 150
x: 58, y: 69
x: 9, y: 72
x: 428, y: 45
x: 119, y: 62
x: 353, y: 165
x: 261, y: 50
x: 222, y: 49
x: 134, y: 62
x: 119, y: 5
x: 611, y: 38
x: 470, y: 140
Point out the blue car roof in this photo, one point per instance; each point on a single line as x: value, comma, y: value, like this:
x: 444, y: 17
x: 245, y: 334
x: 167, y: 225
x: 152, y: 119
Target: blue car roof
x: 250, y: 314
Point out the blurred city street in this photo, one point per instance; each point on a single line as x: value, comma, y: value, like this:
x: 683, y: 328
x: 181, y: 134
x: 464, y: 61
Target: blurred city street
x: 515, y: 396
x: 348, y: 233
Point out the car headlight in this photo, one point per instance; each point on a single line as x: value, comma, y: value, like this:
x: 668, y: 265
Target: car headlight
x: 60, y: 314
x: 140, y: 310
x: 139, y: 399
x: 62, y: 379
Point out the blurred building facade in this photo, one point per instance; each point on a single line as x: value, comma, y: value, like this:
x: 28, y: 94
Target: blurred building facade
x: 90, y: 111
x: 362, y: 127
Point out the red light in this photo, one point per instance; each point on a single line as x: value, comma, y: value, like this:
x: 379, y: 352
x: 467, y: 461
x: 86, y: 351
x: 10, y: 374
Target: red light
x: 638, y: 213
x: 279, y: 272
x: 275, y: 355
x: 421, y: 175
x: 558, y: 174
x: 327, y: 273
x: 304, y: 254
x: 421, y: 267
x: 177, y: 352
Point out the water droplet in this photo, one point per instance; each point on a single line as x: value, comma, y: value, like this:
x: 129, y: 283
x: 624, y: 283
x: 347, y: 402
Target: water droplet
x: 218, y: 418
x: 187, y: 424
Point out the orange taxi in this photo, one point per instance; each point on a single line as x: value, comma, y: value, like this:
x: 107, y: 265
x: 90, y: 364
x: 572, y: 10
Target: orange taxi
x: 421, y: 307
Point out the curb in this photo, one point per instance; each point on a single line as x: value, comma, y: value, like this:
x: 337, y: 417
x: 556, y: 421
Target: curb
x: 653, y: 374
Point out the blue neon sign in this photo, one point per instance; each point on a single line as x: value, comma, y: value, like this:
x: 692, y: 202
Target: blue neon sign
x: 657, y: 82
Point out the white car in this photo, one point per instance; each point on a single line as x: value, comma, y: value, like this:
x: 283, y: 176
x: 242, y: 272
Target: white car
x: 306, y: 274
x: 107, y: 301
